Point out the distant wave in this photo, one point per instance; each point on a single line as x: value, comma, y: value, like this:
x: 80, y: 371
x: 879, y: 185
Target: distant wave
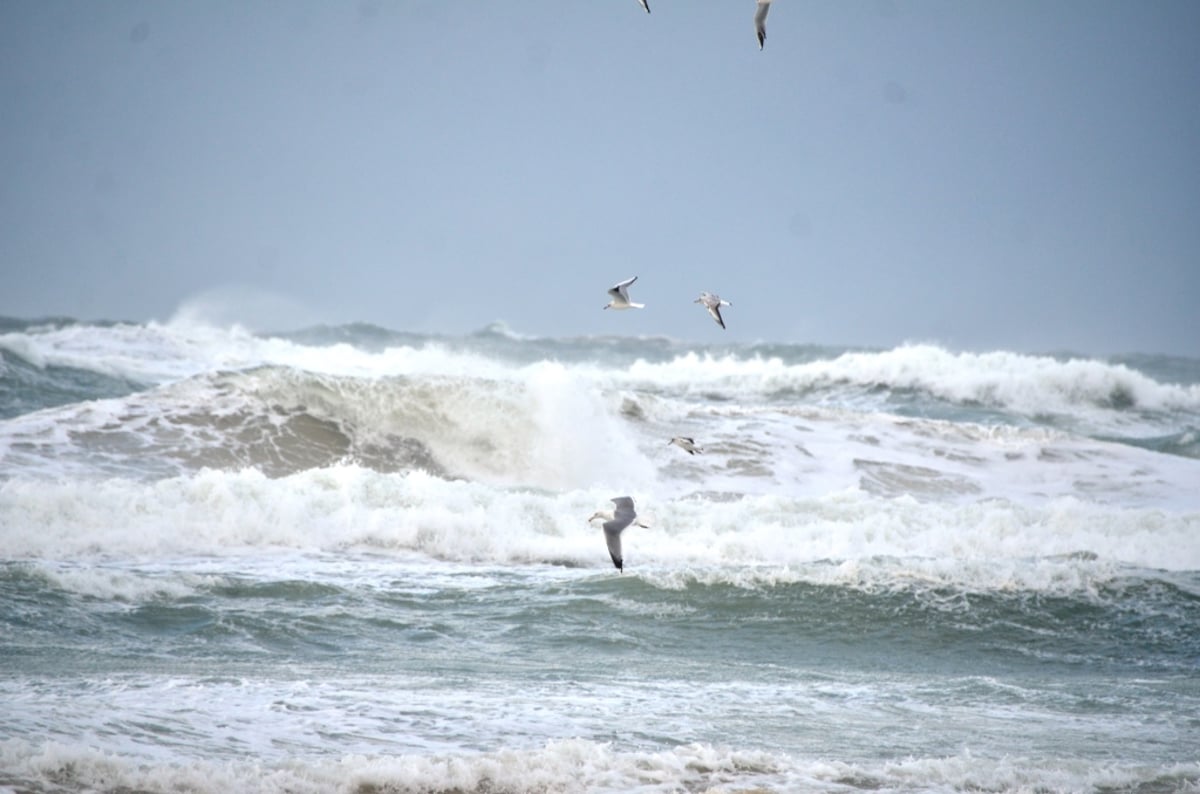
x: 1030, y: 384
x: 501, y: 329
x: 25, y: 325
x: 1023, y: 382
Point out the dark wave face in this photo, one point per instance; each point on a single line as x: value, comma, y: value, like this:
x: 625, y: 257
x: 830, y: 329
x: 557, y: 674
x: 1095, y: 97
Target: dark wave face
x: 25, y: 388
x: 1132, y: 622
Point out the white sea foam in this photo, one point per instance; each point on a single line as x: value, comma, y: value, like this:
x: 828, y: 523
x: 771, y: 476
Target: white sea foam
x: 576, y: 765
x: 149, y: 353
x: 983, y: 544
x: 1024, y: 383
x: 122, y: 584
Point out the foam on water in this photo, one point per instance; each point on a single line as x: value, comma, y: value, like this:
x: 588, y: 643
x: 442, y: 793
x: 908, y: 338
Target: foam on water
x: 344, y: 507
x: 571, y: 765
x: 1025, y: 384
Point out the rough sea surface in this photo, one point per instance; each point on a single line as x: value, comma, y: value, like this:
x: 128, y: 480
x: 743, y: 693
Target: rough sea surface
x: 353, y: 559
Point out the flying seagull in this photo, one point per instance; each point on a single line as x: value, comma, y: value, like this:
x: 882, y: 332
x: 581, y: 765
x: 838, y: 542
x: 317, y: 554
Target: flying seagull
x: 688, y: 445
x: 614, y: 522
x: 760, y: 21
x: 620, y: 296
x: 645, y: 5
x: 713, y: 303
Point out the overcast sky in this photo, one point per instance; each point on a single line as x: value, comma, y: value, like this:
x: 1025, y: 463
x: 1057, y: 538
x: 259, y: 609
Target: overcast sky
x: 1011, y: 174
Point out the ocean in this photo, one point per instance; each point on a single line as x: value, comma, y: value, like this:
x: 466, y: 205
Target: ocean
x: 356, y: 559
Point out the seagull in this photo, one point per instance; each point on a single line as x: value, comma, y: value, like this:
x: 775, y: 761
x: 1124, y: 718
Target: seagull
x: 713, y: 303
x: 687, y: 444
x: 760, y: 21
x: 645, y: 5
x: 614, y: 522
x: 620, y: 296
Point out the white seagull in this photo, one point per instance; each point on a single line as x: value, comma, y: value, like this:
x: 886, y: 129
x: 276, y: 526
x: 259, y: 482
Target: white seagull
x: 713, y: 303
x: 688, y: 445
x: 760, y: 21
x: 614, y: 523
x: 645, y: 5
x: 620, y: 296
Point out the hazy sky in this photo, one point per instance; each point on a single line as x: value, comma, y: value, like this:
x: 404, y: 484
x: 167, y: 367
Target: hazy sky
x: 1016, y: 174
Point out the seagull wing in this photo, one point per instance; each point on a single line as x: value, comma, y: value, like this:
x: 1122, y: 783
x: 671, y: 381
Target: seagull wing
x: 760, y: 21
x: 622, y: 288
x: 645, y: 5
x: 624, y: 512
x: 715, y: 310
x: 622, y: 517
x: 613, y: 536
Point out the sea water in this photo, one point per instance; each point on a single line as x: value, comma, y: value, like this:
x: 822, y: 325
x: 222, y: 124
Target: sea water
x: 356, y: 559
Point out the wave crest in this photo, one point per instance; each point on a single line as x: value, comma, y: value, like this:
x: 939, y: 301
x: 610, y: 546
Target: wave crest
x: 546, y: 428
